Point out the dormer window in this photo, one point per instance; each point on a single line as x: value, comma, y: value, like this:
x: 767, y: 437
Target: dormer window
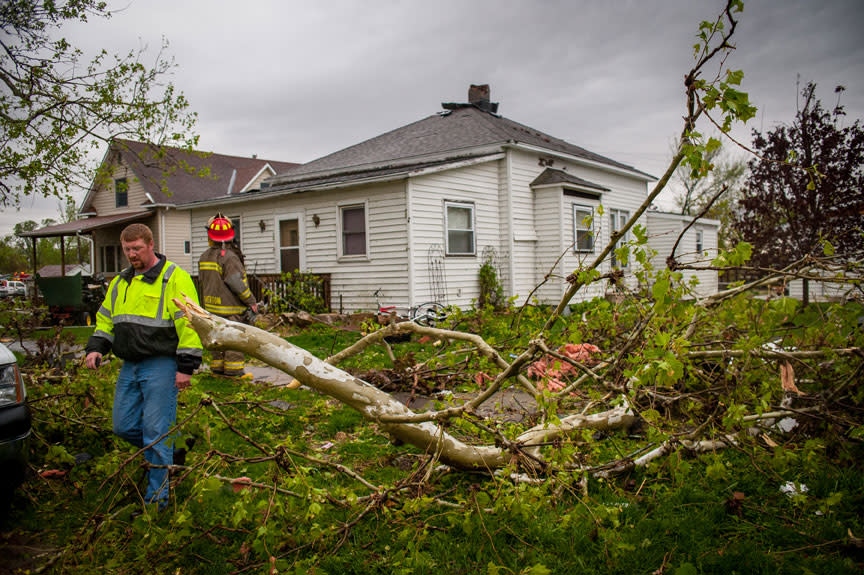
x: 121, y: 193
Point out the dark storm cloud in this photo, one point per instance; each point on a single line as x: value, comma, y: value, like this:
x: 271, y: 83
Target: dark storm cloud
x: 293, y: 81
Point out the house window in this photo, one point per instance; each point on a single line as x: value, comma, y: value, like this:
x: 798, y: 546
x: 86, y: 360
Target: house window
x: 353, y: 230
x: 235, y: 223
x: 459, y: 222
x: 289, y: 245
x: 187, y: 247
x: 619, y: 219
x: 699, y: 242
x: 121, y: 193
x: 583, y: 228
x: 112, y: 259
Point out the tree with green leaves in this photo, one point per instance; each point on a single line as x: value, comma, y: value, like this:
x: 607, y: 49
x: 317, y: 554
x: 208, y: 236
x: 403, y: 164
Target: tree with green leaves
x: 56, y: 107
x: 804, y: 195
x: 714, y: 195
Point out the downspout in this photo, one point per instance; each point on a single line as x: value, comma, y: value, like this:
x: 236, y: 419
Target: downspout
x: 410, y: 251
x: 510, y: 243
x: 162, y: 231
x: 93, y: 269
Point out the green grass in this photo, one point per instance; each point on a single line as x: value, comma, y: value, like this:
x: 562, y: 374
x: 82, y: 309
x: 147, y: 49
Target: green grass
x: 713, y: 513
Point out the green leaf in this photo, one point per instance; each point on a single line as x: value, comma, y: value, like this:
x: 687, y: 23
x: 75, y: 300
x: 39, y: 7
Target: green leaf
x: 660, y: 289
x: 686, y: 569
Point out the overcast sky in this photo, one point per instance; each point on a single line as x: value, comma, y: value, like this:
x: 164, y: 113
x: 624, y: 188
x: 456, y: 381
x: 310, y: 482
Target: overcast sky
x: 293, y: 81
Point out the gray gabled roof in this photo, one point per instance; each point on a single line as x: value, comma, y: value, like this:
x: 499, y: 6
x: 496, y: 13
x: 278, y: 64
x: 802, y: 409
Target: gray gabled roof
x: 553, y: 176
x: 455, y: 133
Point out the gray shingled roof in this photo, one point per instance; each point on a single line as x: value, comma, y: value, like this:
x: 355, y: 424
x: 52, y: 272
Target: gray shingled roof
x: 553, y: 176
x: 450, y: 133
x: 192, y: 175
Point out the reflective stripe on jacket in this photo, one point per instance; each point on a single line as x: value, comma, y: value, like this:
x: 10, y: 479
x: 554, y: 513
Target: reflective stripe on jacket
x: 224, y: 286
x: 139, y: 319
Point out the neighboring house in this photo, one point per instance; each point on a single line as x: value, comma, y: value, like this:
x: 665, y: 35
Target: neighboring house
x: 820, y: 291
x: 144, y: 183
x: 56, y: 271
x: 698, y: 246
x: 411, y: 212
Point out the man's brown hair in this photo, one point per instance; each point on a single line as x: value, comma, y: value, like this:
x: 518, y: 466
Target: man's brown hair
x: 134, y: 232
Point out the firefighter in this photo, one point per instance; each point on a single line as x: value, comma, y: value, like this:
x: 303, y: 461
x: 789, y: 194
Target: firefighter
x: 225, y: 289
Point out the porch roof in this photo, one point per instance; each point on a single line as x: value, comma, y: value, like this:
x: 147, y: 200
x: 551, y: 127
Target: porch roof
x: 86, y: 225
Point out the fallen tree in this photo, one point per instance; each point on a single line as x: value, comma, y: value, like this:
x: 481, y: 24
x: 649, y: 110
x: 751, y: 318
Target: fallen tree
x: 645, y: 361
x: 377, y: 406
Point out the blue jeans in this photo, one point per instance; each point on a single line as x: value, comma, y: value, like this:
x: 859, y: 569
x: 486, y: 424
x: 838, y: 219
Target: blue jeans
x: 145, y: 407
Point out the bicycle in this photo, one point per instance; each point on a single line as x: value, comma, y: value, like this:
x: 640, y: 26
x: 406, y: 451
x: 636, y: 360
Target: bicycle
x: 426, y: 314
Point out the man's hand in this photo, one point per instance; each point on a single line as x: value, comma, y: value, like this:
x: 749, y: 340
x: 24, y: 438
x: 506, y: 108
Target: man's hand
x: 182, y: 380
x: 93, y: 360
x: 254, y: 308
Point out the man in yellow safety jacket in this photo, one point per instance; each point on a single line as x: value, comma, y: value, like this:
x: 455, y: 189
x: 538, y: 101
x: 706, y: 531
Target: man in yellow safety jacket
x: 225, y: 290
x: 140, y: 323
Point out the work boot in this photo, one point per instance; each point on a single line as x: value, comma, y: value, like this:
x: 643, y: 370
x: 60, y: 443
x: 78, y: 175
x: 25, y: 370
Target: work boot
x: 180, y: 453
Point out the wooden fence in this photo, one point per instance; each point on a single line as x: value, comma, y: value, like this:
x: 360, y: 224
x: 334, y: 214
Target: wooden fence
x: 317, y: 285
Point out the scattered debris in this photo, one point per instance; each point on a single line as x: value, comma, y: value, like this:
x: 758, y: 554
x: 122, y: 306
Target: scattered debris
x: 791, y: 489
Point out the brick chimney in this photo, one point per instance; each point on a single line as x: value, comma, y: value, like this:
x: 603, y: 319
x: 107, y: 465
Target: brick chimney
x: 478, y: 95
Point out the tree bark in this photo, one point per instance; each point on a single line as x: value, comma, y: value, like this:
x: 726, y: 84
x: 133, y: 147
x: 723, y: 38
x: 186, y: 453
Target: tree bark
x: 217, y: 333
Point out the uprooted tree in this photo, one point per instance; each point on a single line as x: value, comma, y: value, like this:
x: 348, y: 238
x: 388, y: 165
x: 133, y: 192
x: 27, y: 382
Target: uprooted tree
x: 656, y: 342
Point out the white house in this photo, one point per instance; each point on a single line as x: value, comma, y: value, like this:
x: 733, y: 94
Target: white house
x: 697, y: 246
x: 413, y: 211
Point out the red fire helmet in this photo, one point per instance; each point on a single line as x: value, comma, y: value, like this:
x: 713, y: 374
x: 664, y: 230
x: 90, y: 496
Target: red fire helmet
x: 220, y: 229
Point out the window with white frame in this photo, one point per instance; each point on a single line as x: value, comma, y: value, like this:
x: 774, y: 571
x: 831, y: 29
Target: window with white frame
x: 353, y: 220
x: 583, y: 228
x: 619, y: 219
x: 459, y: 223
x: 700, y: 244
x: 112, y: 259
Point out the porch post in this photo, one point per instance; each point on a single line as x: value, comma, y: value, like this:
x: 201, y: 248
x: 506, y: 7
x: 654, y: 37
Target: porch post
x: 62, y: 256
x: 33, y: 251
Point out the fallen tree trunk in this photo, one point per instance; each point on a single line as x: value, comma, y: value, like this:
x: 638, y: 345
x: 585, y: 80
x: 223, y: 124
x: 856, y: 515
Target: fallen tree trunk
x: 375, y: 405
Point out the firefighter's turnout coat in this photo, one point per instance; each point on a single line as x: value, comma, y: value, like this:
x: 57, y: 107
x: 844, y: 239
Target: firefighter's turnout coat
x: 139, y: 319
x: 224, y: 286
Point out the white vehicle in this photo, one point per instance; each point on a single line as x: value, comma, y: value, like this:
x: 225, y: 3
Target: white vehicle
x: 14, y: 288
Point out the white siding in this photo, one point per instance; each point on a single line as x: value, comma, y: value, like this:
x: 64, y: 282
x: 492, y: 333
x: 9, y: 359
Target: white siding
x: 104, y: 200
x: 527, y: 271
x: 176, y: 232
x: 478, y: 185
x: 625, y: 193
x: 549, y: 245
x: 822, y: 291
x: 354, y: 280
x: 663, y: 231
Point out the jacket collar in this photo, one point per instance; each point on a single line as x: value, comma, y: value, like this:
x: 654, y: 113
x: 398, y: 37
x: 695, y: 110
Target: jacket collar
x: 150, y: 275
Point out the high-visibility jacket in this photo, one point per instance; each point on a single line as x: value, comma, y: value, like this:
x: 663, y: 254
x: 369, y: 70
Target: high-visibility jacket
x: 224, y: 286
x: 139, y: 319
